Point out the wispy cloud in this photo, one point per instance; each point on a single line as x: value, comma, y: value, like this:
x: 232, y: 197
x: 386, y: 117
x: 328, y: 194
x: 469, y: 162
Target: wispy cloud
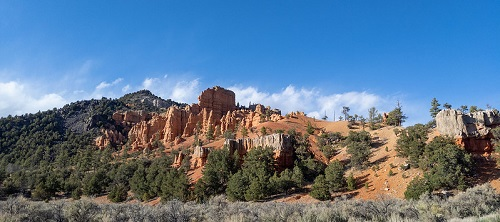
x: 126, y: 88
x: 104, y: 84
x: 312, y: 101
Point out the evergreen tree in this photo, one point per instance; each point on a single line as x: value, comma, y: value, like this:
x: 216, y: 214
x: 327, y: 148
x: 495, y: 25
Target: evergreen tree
x: 351, y: 182
x: 175, y: 186
x: 358, y: 146
x: 244, y: 132
x: 411, y: 143
x: 345, y: 111
x: 373, y: 117
x: 320, y: 189
x: 219, y: 167
x: 335, y: 176
x: 210, y: 133
x: 396, y: 116
x: 95, y: 183
x: 434, y: 108
x: 263, y: 131
x: 253, y: 178
x: 139, y: 185
x: 237, y: 186
x: 447, y: 106
x: 297, y: 177
x: 463, y: 108
x: 310, y: 128
x: 416, y: 188
x: 473, y: 109
x: 118, y: 193
x: 445, y: 166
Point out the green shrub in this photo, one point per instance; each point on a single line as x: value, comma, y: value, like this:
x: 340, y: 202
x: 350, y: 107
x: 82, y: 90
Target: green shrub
x: 118, y: 193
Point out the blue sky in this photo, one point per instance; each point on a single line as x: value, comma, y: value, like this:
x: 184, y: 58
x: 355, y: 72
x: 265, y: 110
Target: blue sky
x: 314, y: 56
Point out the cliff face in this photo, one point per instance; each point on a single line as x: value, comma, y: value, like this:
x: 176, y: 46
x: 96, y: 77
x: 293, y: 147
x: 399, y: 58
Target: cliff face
x: 182, y: 122
x: 216, y: 109
x: 471, y: 130
x: 281, y: 144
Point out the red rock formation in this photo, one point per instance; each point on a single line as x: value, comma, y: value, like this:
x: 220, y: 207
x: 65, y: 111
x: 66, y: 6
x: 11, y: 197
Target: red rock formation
x: 216, y: 109
x: 109, y: 137
x: 475, y: 145
x: 199, y: 157
x: 129, y: 117
x: 178, y: 160
x: 213, y: 104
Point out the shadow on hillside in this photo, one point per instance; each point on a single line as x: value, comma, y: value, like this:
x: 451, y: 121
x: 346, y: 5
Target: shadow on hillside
x: 345, y: 196
x: 378, y: 142
x: 486, y: 170
x: 380, y: 160
x: 361, y: 181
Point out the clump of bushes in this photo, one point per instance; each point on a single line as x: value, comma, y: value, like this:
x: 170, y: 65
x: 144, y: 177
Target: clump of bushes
x: 480, y: 203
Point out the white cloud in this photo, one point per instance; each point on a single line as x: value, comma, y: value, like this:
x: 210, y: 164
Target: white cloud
x: 126, y: 88
x: 180, y: 88
x: 149, y: 82
x: 104, y: 84
x: 117, y: 81
x: 312, y: 101
x: 185, y: 91
x: 17, y: 99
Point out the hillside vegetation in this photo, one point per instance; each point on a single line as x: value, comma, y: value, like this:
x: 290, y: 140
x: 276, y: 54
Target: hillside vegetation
x: 52, y: 156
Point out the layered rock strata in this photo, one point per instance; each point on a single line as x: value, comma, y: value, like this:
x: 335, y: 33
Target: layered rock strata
x: 471, y: 130
x: 280, y: 143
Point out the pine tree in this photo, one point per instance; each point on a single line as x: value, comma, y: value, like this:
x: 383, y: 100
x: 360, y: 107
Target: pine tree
x: 237, y: 186
x: 220, y: 165
x: 358, y: 146
x: 345, y: 111
x: 252, y: 181
x: 396, y: 116
x: 244, y: 132
x: 351, y: 182
x: 434, y: 108
x: 175, y: 186
x: 320, y: 189
x: 298, y: 177
x: 210, y: 133
x: 263, y: 131
x: 464, y: 108
x: 334, y: 176
x: 447, y: 106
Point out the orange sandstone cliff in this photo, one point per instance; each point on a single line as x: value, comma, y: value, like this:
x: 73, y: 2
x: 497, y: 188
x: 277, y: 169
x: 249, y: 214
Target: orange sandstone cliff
x: 215, y: 109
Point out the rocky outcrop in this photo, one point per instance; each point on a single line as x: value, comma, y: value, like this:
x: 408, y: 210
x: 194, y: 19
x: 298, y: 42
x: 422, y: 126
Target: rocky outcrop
x: 178, y: 160
x: 131, y: 117
x: 199, y: 157
x: 280, y: 143
x: 109, y: 137
x: 471, y: 130
x: 218, y: 100
x: 216, y: 109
